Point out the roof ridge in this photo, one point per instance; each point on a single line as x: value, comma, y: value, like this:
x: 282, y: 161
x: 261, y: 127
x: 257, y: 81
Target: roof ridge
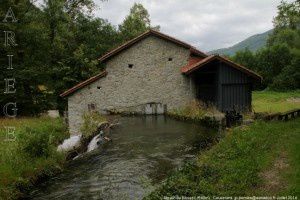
x: 146, y: 33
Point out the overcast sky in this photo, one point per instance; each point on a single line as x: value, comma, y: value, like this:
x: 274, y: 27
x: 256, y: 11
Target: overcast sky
x: 205, y: 24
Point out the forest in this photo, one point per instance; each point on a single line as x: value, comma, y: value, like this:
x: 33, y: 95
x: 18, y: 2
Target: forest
x: 58, y: 44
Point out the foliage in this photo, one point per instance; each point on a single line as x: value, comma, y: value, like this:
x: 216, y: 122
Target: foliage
x: 58, y: 47
x: 91, y: 122
x: 39, y: 141
x: 137, y: 22
x: 278, y: 63
x: 274, y: 102
x: 24, y: 160
x: 195, y: 111
x: 288, y: 15
x: 233, y: 168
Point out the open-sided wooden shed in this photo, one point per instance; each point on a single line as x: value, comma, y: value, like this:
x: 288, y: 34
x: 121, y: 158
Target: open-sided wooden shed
x: 222, y: 83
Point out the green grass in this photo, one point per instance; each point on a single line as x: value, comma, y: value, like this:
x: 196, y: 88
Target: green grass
x: 273, y: 102
x: 293, y: 174
x: 194, y: 111
x: 31, y: 155
x: 236, y: 165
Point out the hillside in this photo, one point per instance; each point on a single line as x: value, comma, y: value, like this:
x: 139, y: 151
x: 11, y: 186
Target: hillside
x: 253, y: 43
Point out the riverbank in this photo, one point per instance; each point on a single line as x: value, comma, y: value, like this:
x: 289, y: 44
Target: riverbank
x: 198, y: 112
x: 31, y: 156
x: 261, y: 159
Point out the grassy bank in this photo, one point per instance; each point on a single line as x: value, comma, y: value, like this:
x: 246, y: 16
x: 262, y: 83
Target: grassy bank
x: 198, y: 112
x: 273, y: 102
x: 262, y: 159
x: 31, y: 155
x: 262, y: 102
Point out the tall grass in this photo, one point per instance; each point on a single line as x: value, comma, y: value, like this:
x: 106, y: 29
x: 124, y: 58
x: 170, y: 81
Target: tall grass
x: 31, y: 155
x: 91, y: 123
x: 194, y: 110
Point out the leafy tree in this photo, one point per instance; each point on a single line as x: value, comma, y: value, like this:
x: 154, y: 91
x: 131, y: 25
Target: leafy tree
x: 137, y: 22
x: 58, y: 47
x: 288, y: 15
x: 246, y: 58
x: 278, y: 63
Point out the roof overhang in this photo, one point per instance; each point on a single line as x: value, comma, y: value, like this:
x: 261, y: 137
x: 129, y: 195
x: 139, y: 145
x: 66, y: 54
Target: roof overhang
x: 82, y: 84
x: 192, y: 67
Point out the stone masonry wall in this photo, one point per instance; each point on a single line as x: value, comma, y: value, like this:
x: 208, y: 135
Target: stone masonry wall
x: 152, y: 79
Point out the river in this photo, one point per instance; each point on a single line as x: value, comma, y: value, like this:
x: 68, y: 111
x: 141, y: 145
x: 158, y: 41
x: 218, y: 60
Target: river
x: 143, y: 151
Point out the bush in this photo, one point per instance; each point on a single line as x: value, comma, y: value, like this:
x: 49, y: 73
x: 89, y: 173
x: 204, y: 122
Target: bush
x: 38, y: 140
x: 91, y: 122
x: 35, y: 143
x: 195, y: 110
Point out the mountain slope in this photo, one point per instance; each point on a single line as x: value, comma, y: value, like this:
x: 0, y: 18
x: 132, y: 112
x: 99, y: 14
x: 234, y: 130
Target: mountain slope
x: 253, y: 43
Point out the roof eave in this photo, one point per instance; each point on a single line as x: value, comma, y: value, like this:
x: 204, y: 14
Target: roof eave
x: 83, y: 84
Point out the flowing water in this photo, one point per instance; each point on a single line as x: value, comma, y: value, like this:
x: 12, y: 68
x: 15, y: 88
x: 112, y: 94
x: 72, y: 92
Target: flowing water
x: 143, y: 151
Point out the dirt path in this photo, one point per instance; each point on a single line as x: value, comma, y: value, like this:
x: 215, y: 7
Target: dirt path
x: 272, y: 178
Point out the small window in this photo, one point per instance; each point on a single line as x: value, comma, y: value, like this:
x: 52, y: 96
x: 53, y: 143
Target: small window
x: 98, y: 87
x: 130, y: 66
x: 91, y: 107
x: 170, y: 59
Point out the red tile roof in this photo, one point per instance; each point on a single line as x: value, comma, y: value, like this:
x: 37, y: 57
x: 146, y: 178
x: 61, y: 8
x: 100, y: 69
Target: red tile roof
x: 192, y: 66
x: 128, y: 44
x: 82, y: 84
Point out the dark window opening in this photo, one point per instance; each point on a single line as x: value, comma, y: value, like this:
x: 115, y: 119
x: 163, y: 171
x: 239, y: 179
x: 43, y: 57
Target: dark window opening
x: 170, y: 59
x: 130, y: 66
x: 91, y: 107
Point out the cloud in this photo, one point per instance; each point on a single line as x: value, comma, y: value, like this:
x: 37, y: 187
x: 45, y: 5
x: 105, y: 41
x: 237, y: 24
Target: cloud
x: 205, y: 24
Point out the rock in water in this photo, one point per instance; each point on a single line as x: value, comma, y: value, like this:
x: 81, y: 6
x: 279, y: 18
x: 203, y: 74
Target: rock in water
x: 70, y: 143
x: 94, y: 143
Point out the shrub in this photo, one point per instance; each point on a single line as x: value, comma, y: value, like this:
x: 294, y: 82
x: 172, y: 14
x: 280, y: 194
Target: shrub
x: 91, y: 122
x: 34, y: 142
x: 195, y: 110
x: 37, y: 140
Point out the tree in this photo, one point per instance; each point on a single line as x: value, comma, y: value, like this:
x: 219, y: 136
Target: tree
x: 246, y: 58
x: 137, y: 22
x: 271, y: 61
x: 279, y: 62
x: 288, y: 15
x: 58, y: 47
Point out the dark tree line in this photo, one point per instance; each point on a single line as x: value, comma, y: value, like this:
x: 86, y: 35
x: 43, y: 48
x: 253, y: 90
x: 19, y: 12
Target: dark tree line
x: 58, y: 46
x: 279, y: 61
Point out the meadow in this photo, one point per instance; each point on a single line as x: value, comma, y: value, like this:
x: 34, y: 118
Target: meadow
x: 30, y: 155
x: 274, y: 102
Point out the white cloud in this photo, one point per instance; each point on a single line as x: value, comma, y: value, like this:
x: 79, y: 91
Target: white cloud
x: 205, y: 24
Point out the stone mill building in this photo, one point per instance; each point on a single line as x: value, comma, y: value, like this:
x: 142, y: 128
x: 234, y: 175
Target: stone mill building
x: 154, y: 73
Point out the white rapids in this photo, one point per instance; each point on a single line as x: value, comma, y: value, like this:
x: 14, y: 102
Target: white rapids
x: 94, y: 143
x: 70, y: 143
